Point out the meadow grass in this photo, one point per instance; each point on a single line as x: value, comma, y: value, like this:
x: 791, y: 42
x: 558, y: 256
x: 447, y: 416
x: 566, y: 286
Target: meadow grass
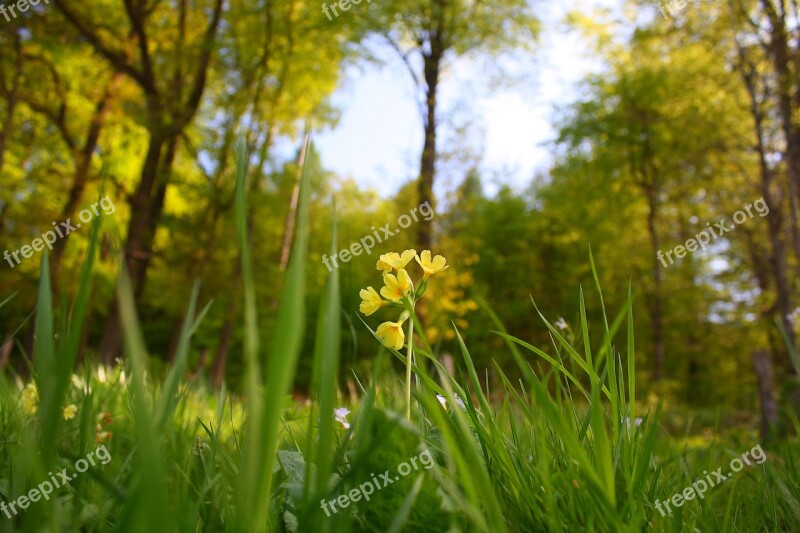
x: 559, y: 449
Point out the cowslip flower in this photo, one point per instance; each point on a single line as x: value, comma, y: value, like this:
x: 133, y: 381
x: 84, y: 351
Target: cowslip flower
x: 341, y: 416
x: 395, y: 261
x: 431, y: 266
x: 30, y: 399
x: 370, y: 301
x: 391, y: 334
x: 396, y: 287
x: 70, y: 411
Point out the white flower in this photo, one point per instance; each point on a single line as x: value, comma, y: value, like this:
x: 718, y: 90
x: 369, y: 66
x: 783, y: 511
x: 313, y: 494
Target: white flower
x: 341, y: 414
x: 80, y: 384
x: 443, y: 401
x: 636, y: 422
x: 101, y: 374
x: 794, y: 316
x: 561, y: 323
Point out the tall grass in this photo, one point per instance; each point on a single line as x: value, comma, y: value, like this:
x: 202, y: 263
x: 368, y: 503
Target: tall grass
x: 558, y: 451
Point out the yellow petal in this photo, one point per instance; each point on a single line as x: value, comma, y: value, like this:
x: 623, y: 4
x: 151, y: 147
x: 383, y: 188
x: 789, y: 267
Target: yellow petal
x: 391, y: 334
x: 431, y: 266
x: 371, y: 301
x: 69, y: 412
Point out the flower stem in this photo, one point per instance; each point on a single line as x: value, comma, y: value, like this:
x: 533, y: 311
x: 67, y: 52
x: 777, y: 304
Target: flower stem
x: 409, y: 356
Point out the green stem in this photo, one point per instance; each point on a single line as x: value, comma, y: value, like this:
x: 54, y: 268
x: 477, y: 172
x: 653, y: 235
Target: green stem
x: 409, y: 355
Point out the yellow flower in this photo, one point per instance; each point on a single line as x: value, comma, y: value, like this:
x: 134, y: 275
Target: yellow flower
x: 370, y: 301
x: 396, y: 287
x: 69, y: 412
x: 431, y: 267
x: 30, y: 398
x: 396, y: 261
x: 391, y: 334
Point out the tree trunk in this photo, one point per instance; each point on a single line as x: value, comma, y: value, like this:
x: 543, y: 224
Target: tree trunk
x: 138, y: 246
x: 654, y: 305
x: 779, y: 51
x: 777, y: 258
x: 766, y: 393
x: 432, y: 65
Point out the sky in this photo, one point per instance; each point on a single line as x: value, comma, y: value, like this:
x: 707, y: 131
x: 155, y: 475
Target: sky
x: 378, y: 140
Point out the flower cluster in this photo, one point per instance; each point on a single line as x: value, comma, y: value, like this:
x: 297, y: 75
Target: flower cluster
x: 398, y: 290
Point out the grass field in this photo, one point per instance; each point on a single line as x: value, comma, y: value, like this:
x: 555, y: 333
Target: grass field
x: 568, y: 447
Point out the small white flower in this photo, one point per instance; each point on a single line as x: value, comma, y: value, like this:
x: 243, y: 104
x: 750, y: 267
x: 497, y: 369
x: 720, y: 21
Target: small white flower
x: 636, y: 422
x: 443, y: 401
x: 80, y: 384
x: 101, y: 374
x: 794, y: 316
x: 561, y: 323
x: 341, y: 414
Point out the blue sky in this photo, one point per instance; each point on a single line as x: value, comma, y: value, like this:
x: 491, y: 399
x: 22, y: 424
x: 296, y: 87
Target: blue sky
x: 378, y: 140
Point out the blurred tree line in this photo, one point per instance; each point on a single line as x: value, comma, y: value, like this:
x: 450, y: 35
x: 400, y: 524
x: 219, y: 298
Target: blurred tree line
x: 693, y: 117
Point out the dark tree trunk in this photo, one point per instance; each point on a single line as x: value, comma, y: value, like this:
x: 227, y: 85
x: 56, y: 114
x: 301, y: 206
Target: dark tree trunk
x: 766, y: 393
x: 138, y: 245
x: 428, y: 161
x: 788, y: 95
x: 654, y: 303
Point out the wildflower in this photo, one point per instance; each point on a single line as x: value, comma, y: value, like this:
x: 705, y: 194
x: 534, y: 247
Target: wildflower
x: 370, y: 301
x: 80, y: 384
x: 30, y: 399
x: 636, y: 422
x: 391, y: 334
x: 400, y: 291
x: 396, y: 261
x: 431, y: 266
x: 794, y: 316
x: 443, y: 401
x: 70, y: 411
x: 341, y: 416
x: 101, y: 374
x: 396, y: 287
x: 561, y: 324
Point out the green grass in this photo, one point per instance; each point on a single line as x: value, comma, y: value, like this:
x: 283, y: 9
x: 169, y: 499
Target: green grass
x: 550, y: 452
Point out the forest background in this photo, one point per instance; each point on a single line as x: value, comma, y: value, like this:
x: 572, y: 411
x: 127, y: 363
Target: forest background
x: 691, y: 117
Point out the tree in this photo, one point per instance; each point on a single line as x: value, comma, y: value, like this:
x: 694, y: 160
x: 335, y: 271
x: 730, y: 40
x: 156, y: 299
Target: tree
x: 426, y: 34
x: 170, y: 65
